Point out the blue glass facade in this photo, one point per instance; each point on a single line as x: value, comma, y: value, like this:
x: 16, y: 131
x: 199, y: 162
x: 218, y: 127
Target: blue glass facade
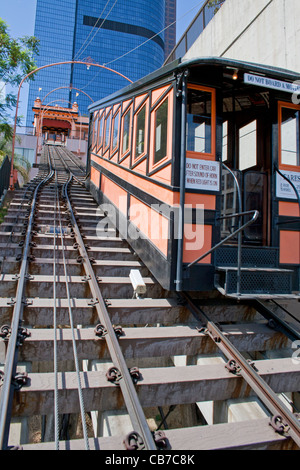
x: 100, y: 30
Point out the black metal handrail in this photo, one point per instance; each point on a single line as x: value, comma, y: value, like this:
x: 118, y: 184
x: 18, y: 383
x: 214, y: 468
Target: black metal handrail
x: 240, y: 229
x: 196, y: 27
x: 233, y: 234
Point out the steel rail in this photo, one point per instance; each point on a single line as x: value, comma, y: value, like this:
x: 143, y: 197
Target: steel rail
x: 65, y: 154
x: 289, y: 423
x: 280, y: 324
x: 7, y: 388
x: 55, y: 360
x: 125, y: 381
x: 53, y: 153
x: 14, y: 223
x: 73, y: 161
x: 80, y: 393
x: 30, y: 188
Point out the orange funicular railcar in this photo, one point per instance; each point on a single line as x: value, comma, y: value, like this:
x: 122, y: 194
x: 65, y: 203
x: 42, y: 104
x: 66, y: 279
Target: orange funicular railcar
x: 200, y: 162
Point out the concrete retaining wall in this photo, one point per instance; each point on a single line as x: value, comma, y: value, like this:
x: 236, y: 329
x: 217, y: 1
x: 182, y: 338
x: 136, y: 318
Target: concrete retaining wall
x: 261, y: 31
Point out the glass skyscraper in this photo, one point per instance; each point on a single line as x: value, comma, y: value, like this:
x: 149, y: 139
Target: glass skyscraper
x: 125, y: 35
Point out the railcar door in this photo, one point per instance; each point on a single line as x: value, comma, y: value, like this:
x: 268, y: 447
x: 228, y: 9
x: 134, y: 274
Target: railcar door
x: 247, y: 153
x: 288, y: 184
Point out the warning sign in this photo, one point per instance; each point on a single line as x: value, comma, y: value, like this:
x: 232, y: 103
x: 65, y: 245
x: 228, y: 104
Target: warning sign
x: 284, y: 189
x: 202, y: 175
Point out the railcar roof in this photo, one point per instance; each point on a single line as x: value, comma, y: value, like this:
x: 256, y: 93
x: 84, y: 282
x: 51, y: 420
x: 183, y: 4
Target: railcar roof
x: 177, y: 65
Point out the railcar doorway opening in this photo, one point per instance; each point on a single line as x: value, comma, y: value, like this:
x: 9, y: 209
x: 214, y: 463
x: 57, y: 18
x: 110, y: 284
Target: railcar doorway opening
x: 246, y: 151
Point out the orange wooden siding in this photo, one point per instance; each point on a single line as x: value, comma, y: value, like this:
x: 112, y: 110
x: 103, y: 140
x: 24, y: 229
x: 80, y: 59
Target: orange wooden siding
x: 162, y: 194
x: 197, y: 240
x: 152, y: 224
x: 290, y: 209
x: 289, y: 247
x: 114, y: 193
x: 95, y: 177
x: 208, y: 200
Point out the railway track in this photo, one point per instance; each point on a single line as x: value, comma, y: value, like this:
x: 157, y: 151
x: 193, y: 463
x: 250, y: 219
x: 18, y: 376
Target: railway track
x: 87, y: 364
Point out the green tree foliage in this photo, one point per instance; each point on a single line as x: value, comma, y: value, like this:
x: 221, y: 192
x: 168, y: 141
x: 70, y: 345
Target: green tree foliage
x: 216, y: 4
x: 20, y: 162
x: 16, y: 61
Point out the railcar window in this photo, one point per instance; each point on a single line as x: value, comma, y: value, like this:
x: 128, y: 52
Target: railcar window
x: 126, y: 132
x: 100, y: 131
x: 161, y: 128
x: 115, y: 131
x: 225, y: 142
x: 140, y: 133
x: 290, y: 137
x: 199, y: 120
x: 248, y: 146
x: 107, y: 130
x: 95, y: 124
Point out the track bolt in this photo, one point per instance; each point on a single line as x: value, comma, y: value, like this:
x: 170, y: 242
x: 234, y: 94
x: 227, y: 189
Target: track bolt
x: 118, y: 331
x: 113, y: 375
x: 133, y: 441
x: 232, y: 366
x: 100, y: 330
x: 135, y: 374
x: 20, y: 380
x: 5, y: 332
x: 278, y: 425
x: 160, y: 439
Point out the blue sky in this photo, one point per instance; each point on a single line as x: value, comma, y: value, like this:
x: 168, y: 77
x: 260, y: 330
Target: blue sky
x: 20, y: 17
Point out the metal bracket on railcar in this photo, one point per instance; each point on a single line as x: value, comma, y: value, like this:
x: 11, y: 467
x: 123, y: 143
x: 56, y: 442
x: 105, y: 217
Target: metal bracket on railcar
x: 179, y: 78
